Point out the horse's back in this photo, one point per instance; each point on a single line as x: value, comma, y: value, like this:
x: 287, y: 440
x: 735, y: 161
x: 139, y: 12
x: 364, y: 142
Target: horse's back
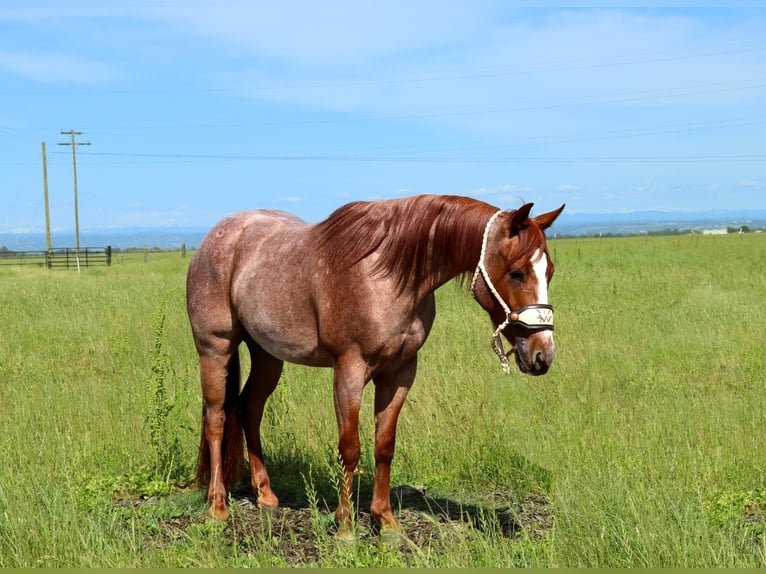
x: 237, y: 232
x: 233, y: 228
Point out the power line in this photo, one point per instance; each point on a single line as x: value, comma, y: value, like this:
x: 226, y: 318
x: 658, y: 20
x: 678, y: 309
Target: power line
x: 711, y: 158
x: 508, y: 71
x: 433, y: 112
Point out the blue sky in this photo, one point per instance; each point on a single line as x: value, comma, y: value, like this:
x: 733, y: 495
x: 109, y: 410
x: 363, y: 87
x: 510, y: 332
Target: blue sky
x: 197, y: 109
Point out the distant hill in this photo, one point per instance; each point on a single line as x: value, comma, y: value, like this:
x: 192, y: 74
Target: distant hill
x: 638, y: 222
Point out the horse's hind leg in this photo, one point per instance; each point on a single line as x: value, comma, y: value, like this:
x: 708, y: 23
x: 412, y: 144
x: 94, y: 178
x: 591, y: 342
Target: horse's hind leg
x: 263, y: 379
x: 221, y: 445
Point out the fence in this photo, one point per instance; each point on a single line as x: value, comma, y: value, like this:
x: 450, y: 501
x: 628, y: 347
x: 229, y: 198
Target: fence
x: 62, y: 258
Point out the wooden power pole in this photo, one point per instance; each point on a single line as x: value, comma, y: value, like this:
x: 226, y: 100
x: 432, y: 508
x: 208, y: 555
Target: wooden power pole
x: 74, y: 144
x: 48, y: 247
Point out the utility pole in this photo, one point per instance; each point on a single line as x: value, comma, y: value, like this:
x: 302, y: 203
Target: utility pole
x: 48, y: 247
x: 74, y: 144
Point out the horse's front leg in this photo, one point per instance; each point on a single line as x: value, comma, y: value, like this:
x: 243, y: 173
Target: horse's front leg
x: 348, y: 383
x: 390, y: 392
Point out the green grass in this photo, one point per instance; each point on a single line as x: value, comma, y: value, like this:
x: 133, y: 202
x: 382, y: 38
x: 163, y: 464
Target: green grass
x: 648, y: 435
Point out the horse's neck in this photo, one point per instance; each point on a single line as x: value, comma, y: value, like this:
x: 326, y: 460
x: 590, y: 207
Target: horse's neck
x: 459, y: 257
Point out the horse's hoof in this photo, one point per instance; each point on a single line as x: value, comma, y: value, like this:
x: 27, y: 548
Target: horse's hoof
x: 221, y: 515
x: 345, y: 536
x: 270, y: 502
x: 392, y: 536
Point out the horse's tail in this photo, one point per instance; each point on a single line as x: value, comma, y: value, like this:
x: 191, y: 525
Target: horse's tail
x: 232, y: 444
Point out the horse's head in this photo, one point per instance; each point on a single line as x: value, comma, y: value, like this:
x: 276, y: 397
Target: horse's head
x: 511, y: 284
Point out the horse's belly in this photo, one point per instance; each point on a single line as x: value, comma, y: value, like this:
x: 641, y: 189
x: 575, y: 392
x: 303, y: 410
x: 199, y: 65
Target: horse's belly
x: 294, y: 345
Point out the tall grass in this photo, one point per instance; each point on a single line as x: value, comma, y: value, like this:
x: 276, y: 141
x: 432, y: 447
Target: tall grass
x: 648, y: 435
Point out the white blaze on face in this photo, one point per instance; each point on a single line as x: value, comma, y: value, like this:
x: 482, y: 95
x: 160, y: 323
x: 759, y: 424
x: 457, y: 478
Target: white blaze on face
x: 540, y: 268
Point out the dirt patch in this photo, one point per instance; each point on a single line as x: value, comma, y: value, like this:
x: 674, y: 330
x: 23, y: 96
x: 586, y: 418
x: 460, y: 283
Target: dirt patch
x: 302, y: 535
x: 755, y: 511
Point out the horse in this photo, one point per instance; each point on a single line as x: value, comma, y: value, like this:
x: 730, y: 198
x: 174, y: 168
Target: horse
x: 354, y: 292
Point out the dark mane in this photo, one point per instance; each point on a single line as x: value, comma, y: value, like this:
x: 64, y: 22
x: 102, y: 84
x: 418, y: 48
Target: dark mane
x: 411, y: 237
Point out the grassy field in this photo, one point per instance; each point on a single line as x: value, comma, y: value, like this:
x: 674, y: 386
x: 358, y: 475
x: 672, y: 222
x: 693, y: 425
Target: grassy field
x: 646, y: 443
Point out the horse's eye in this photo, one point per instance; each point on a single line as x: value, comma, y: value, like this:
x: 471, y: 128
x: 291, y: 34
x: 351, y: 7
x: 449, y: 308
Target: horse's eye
x: 517, y: 276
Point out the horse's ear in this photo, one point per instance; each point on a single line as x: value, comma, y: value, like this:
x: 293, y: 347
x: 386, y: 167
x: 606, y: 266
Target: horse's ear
x: 519, y: 219
x: 546, y: 219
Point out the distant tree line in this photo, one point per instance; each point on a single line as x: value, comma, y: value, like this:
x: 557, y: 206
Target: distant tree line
x: 667, y: 231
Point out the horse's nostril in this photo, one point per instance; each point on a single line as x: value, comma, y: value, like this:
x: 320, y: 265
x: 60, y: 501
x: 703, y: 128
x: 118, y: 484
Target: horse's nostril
x: 539, y: 365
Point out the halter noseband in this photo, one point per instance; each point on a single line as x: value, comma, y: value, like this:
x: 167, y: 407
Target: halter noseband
x: 533, y: 318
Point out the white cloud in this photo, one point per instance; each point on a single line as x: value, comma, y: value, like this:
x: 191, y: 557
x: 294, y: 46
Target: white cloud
x: 511, y: 201
x: 493, y: 190
x: 50, y: 67
x: 324, y: 35
x: 749, y: 183
x: 23, y: 229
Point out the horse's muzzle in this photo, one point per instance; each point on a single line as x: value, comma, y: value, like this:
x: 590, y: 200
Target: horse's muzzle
x: 534, y: 354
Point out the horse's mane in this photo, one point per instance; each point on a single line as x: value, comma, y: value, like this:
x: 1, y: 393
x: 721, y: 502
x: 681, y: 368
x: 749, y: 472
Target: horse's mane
x: 411, y: 237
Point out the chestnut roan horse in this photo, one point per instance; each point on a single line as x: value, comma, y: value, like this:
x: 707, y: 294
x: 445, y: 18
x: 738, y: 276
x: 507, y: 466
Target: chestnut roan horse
x: 355, y: 293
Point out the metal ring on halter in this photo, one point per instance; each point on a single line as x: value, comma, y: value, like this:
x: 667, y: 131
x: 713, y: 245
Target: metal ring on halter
x: 534, y: 318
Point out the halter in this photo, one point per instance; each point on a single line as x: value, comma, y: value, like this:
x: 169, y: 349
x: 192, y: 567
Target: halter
x: 534, y: 318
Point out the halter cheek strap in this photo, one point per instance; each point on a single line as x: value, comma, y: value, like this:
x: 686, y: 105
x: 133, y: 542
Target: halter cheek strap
x: 533, y: 318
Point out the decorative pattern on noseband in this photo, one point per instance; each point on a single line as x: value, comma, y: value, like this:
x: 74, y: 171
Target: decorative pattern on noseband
x: 533, y: 318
